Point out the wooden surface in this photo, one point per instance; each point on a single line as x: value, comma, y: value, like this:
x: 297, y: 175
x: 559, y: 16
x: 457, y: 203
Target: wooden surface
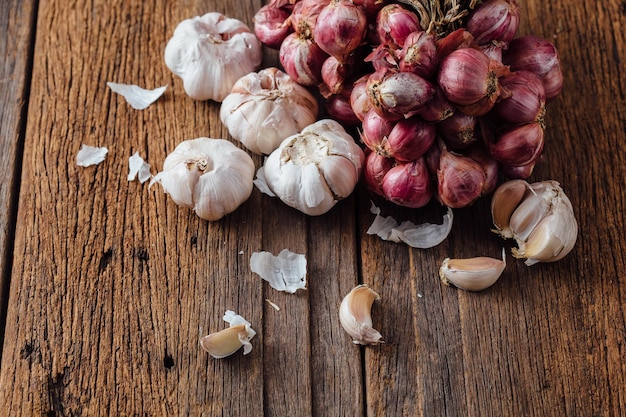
x: 108, y: 285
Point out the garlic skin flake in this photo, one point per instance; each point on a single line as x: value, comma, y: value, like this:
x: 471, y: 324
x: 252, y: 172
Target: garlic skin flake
x: 472, y: 274
x: 210, y: 53
x: 211, y: 176
x: 139, y: 98
x: 285, y: 272
x: 228, y: 341
x: 90, y: 155
x: 421, y: 236
x: 264, y: 108
x: 355, y: 315
x: 314, y: 169
x: 538, y: 216
x: 138, y: 168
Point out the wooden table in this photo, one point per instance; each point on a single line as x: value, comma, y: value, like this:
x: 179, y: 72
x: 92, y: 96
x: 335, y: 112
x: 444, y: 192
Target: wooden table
x: 107, y: 285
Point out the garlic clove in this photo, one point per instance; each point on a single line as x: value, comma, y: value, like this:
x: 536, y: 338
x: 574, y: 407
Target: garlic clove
x: 504, y: 201
x: 528, y: 214
x: 472, y: 274
x: 226, y: 342
x: 355, y: 315
x: 340, y: 175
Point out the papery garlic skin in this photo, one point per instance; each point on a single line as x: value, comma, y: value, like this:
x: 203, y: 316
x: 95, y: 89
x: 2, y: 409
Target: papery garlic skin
x: 212, y: 176
x: 538, y: 216
x: 314, y: 169
x: 210, y: 53
x: 355, y: 315
x: 472, y: 274
x: 264, y: 108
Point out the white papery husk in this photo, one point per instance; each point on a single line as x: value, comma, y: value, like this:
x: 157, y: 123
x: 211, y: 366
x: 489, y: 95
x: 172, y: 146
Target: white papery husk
x: 285, y: 272
x: 422, y: 236
x: 314, y: 169
x: 139, y: 98
x: 138, y: 168
x: 210, y: 53
x: 218, y: 189
x: 266, y: 107
x: 90, y: 155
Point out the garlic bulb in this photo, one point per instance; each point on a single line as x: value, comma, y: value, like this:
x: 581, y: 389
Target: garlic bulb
x: 355, y: 315
x: 312, y: 170
x: 264, y: 108
x: 210, y: 53
x: 212, y: 176
x: 538, y: 216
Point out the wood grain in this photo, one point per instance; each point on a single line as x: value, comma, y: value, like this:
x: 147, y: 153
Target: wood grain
x: 546, y: 340
x: 112, y: 284
x: 16, y: 39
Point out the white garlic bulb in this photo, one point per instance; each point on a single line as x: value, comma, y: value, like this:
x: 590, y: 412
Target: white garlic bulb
x: 212, y: 176
x: 538, y: 216
x: 264, y: 108
x: 312, y: 170
x: 210, y: 53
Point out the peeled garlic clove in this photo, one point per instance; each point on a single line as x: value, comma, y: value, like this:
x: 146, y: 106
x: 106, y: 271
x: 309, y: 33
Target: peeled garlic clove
x: 355, y: 315
x: 212, y: 176
x: 472, y: 274
x: 225, y: 342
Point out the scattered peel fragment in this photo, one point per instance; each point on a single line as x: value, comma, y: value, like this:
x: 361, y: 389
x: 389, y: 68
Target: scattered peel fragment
x: 261, y: 183
x: 422, y: 236
x: 285, y: 272
x: 139, y: 98
x: 90, y: 155
x: 272, y: 304
x: 228, y: 341
x: 138, y: 168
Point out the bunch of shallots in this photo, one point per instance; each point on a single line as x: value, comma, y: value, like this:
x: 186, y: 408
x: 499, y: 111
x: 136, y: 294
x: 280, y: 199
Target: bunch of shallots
x: 443, y: 113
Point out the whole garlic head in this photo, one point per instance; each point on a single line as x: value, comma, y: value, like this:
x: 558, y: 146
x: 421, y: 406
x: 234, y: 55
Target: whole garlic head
x: 212, y: 176
x: 538, y: 216
x: 312, y: 170
x: 210, y: 53
x: 264, y: 108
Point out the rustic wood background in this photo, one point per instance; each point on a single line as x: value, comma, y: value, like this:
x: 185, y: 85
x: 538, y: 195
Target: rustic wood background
x: 107, y: 285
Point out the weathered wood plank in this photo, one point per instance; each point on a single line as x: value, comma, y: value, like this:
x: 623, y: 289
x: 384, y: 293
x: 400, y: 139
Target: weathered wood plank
x: 17, y: 28
x: 546, y: 339
x: 120, y: 282
x: 114, y: 284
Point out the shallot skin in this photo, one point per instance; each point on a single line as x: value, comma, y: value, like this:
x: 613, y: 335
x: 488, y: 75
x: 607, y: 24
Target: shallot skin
x: 340, y: 28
